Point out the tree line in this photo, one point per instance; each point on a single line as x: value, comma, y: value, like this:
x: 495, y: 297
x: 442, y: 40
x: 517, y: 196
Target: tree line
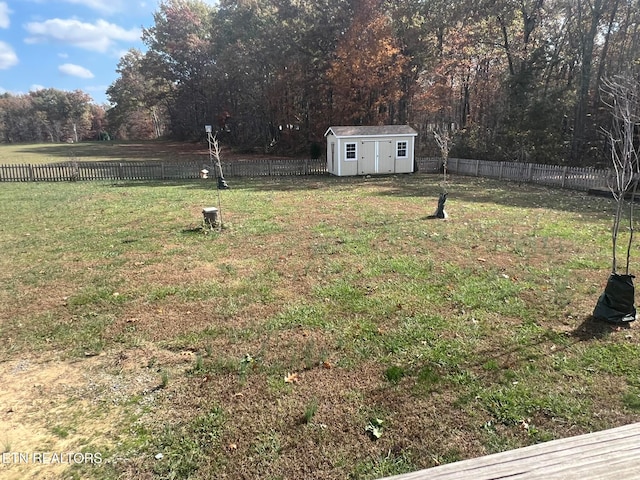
x: 506, y: 79
x: 51, y: 115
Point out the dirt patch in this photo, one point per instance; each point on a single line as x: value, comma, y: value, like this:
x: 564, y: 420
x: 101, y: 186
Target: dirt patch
x: 31, y: 395
x: 56, y: 413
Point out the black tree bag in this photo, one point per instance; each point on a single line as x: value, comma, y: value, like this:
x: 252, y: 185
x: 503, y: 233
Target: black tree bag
x: 616, y: 304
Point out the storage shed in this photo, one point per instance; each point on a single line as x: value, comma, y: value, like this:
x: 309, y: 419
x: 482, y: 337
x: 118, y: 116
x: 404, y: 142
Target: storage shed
x: 361, y: 150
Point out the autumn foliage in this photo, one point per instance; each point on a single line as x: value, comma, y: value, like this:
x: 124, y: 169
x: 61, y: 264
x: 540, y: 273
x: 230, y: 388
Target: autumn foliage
x: 364, y: 77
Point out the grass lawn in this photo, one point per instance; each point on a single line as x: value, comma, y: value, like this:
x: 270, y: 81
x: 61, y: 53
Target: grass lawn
x: 118, y: 151
x: 329, y: 331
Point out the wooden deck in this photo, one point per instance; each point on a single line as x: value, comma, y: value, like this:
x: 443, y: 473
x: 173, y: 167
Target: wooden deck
x: 609, y: 454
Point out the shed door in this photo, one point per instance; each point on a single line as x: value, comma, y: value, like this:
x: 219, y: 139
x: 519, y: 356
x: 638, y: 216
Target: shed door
x: 386, y: 163
x: 376, y: 156
x: 367, y: 162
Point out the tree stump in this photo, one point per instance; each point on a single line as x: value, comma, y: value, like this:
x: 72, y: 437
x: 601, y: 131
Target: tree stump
x: 210, y: 216
x: 440, y: 212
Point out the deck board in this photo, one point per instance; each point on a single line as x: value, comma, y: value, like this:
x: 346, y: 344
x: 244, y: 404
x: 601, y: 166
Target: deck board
x: 609, y: 454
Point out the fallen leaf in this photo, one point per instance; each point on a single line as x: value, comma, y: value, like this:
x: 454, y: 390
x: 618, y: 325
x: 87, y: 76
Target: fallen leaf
x: 291, y: 378
x: 375, y: 428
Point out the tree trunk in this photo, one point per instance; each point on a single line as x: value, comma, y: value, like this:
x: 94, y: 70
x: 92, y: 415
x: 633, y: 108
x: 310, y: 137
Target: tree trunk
x: 506, y: 45
x: 581, y: 109
x: 603, y: 55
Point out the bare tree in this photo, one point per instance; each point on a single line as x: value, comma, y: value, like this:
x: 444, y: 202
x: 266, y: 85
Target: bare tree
x: 443, y: 139
x: 622, y: 95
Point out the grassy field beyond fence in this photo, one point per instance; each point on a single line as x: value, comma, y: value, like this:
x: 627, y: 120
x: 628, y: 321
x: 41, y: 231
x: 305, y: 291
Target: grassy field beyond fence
x: 330, y: 330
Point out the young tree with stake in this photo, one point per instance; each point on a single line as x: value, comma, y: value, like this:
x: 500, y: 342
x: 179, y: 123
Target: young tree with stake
x: 443, y: 139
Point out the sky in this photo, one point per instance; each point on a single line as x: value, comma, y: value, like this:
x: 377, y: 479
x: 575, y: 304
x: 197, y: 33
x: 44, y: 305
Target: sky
x: 68, y: 44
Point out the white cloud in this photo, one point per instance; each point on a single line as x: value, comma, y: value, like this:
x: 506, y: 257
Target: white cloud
x: 104, y: 6
x: 75, y: 70
x: 35, y: 87
x: 4, y: 15
x: 99, y: 36
x: 8, y: 57
x: 112, y: 7
x: 121, y: 53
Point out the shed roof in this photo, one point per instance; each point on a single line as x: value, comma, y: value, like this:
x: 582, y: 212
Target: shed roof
x: 377, y: 130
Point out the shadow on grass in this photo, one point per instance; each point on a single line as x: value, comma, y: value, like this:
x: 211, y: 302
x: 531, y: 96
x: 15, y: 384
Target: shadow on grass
x: 592, y: 329
x: 491, y: 191
x: 428, y: 186
x: 461, y: 189
x: 199, y: 230
x: 195, y: 184
x: 258, y: 184
x: 118, y: 150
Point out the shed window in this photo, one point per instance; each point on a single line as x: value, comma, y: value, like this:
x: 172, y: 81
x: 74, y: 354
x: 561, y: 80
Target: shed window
x: 350, y: 151
x: 401, y: 149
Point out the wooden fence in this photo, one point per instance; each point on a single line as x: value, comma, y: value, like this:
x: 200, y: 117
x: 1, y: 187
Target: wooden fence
x: 576, y: 178
x: 140, y: 170
x: 551, y: 175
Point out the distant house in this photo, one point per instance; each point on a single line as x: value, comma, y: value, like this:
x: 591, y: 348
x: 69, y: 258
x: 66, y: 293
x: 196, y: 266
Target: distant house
x: 360, y: 150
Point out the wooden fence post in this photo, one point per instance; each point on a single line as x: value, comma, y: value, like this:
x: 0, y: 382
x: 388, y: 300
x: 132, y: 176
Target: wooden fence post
x: 32, y: 176
x: 477, y: 167
x: 564, y: 176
